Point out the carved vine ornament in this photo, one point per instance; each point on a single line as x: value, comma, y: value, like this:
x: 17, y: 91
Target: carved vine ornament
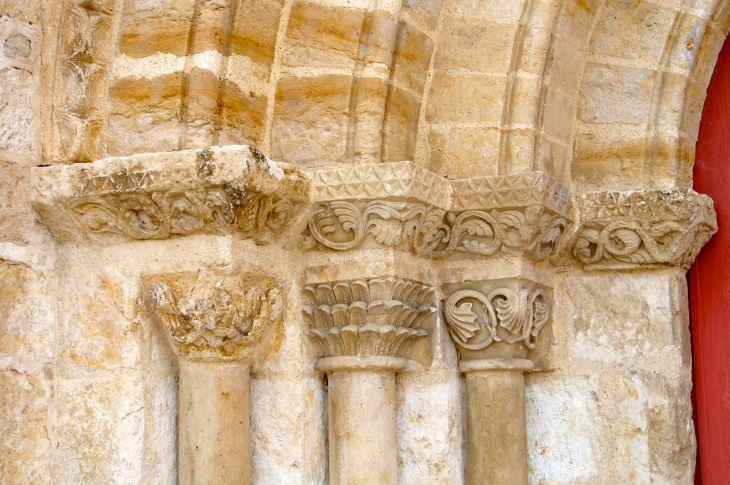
x: 236, y: 189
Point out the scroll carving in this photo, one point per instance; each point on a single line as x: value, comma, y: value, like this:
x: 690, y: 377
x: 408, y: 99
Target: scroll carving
x: 476, y: 320
x: 83, y: 55
x: 375, y: 317
x: 522, y: 214
x: 531, y: 231
x: 147, y: 198
x: 215, y: 318
x: 642, y: 229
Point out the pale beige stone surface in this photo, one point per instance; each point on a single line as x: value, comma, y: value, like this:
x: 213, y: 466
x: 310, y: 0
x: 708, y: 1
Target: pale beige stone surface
x: 599, y: 95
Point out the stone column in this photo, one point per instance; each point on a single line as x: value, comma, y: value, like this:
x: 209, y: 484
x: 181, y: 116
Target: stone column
x: 365, y: 330
x: 495, y: 324
x: 217, y: 326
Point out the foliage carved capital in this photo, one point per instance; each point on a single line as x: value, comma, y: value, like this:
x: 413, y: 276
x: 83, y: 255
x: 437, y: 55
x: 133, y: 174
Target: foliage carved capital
x: 504, y: 311
x: 380, y: 317
x: 214, y: 317
x: 160, y: 195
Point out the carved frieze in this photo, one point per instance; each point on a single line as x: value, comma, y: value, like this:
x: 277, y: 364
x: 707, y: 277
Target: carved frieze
x: 81, y: 68
x: 155, y: 196
x: 213, y: 316
x: 401, y: 205
x: 641, y: 229
x: 390, y: 204
x: 505, y: 311
x: 369, y: 317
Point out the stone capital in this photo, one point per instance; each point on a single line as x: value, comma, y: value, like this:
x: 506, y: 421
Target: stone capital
x: 369, y: 317
x: 209, y: 316
x: 641, y: 229
x: 497, y: 319
x: 219, y: 191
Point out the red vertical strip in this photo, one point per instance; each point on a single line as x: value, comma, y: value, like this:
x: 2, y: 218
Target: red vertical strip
x: 710, y: 284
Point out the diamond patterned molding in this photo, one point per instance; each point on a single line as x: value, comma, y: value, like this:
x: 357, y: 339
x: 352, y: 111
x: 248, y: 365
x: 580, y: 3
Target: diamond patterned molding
x: 222, y: 190
x: 377, y: 181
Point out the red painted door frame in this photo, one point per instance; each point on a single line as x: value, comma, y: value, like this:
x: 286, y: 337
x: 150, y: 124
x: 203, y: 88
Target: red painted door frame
x: 709, y: 284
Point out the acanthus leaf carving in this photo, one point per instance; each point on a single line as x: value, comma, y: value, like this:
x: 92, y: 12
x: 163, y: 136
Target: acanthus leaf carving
x: 476, y: 320
x: 374, y: 317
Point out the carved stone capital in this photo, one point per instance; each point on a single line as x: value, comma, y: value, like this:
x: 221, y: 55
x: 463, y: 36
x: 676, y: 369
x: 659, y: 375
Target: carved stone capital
x: 368, y: 317
x: 155, y: 196
x: 641, y: 229
x: 214, y: 317
x: 508, y: 314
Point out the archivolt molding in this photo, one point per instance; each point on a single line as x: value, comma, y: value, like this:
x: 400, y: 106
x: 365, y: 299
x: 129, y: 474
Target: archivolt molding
x: 376, y: 317
x: 641, y: 229
x: 219, y: 317
x: 513, y: 312
x: 156, y: 196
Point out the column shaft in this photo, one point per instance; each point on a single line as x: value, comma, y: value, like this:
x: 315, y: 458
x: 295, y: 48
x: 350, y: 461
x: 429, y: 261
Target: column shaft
x: 214, y: 431
x: 496, y: 428
x: 362, y: 428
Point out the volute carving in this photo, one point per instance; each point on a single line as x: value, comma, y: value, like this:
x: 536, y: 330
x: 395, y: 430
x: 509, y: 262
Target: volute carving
x: 524, y: 214
x: 476, y: 320
x: 214, y: 317
x: 374, y: 317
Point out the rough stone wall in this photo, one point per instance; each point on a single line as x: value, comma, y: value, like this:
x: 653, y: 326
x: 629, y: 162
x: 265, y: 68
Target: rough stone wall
x: 600, y: 94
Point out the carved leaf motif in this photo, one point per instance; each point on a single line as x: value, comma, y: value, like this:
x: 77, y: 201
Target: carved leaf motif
x: 504, y: 315
x: 371, y: 317
x: 462, y: 320
x: 216, y: 318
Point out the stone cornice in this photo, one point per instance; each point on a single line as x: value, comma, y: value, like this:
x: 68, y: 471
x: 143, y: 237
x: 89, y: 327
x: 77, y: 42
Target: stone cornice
x: 155, y: 196
x: 223, y: 190
x: 639, y: 229
x: 213, y: 316
x: 401, y: 205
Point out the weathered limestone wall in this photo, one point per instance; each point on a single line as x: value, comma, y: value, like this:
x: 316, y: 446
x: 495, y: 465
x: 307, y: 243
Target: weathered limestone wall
x: 598, y: 94
x: 28, y: 289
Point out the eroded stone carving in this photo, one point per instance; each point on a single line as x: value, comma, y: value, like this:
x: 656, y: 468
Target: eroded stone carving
x: 505, y: 314
x: 642, y: 229
x: 214, y: 317
x: 215, y: 191
x: 83, y: 55
x: 532, y: 231
x: 373, y: 317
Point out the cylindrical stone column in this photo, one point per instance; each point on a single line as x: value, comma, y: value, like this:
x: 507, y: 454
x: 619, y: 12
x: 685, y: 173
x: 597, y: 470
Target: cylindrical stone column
x: 214, y: 431
x: 217, y: 324
x: 495, y: 324
x: 362, y: 419
x: 496, y: 431
x: 365, y: 331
